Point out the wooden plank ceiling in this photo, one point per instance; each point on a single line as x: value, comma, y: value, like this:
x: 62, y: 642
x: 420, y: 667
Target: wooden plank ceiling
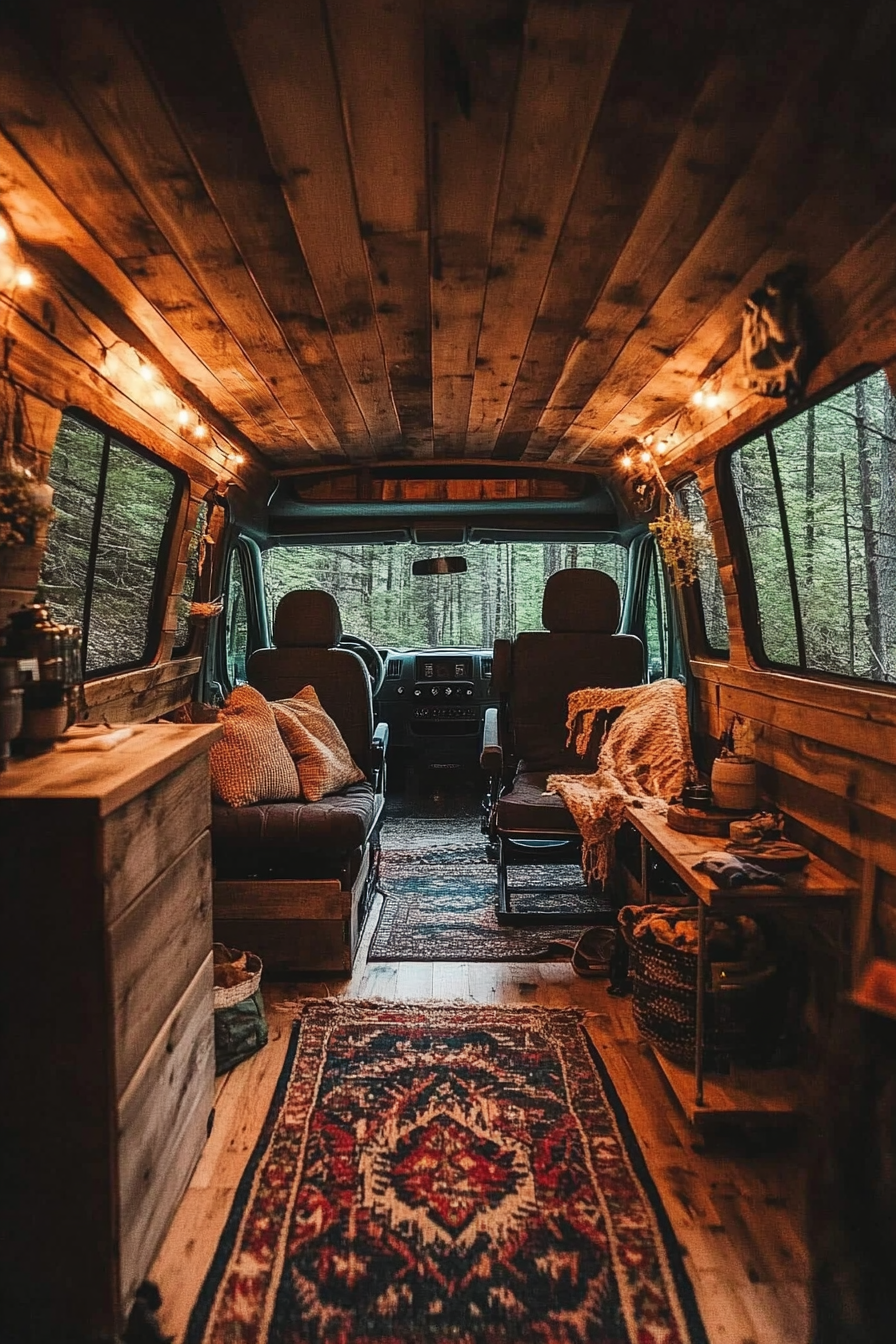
x: 378, y: 229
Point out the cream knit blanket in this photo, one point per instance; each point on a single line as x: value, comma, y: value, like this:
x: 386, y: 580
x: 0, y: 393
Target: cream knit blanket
x: 645, y: 759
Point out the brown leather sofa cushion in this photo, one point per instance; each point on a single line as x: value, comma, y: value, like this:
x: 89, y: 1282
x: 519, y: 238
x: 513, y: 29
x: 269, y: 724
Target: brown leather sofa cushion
x: 283, y: 837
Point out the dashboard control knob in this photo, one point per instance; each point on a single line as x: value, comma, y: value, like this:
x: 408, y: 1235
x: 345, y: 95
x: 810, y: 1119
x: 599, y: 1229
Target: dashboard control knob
x: 399, y: 690
x: 418, y: 691
x: 469, y: 690
x: 434, y: 690
x: 447, y: 690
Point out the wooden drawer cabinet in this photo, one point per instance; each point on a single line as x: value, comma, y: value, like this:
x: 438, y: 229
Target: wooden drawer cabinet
x: 107, y: 1021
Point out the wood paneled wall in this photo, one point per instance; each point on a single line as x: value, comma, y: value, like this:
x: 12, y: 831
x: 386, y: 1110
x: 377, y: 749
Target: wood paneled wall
x: 826, y: 748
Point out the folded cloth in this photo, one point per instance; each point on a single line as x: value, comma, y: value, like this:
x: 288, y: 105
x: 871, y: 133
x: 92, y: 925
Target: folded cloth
x: 729, y: 871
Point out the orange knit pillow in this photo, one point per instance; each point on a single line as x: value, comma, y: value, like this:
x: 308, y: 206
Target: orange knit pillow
x: 251, y: 764
x: 316, y: 745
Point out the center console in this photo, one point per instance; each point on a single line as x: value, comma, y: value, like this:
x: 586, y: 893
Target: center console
x: 434, y: 703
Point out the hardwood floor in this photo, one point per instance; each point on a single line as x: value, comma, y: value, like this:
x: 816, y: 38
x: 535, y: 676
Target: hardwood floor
x: 736, y: 1206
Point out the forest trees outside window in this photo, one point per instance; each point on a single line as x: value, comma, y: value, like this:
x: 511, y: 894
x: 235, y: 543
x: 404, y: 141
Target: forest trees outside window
x: 113, y: 511
x: 817, y: 497
x: 381, y: 600
x: 708, y: 585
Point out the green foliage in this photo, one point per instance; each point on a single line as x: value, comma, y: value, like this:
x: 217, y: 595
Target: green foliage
x: 382, y: 601
x: 134, y: 505
x: 837, y: 466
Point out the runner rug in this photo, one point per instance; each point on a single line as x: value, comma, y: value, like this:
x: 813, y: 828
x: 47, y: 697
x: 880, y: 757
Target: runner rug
x: 440, y: 898
x: 435, y: 1172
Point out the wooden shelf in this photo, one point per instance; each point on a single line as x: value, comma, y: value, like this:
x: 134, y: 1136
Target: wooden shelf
x: 745, y: 1096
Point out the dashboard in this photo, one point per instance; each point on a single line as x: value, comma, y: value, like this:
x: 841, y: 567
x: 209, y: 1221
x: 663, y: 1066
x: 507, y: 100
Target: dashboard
x: 434, y: 701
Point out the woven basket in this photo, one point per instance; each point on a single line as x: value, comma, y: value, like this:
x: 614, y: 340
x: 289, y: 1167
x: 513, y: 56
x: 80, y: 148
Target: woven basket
x: 226, y: 998
x: 738, y: 1000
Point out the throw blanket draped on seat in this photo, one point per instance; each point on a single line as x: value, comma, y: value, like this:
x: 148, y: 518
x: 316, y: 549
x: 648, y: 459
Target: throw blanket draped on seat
x: 645, y: 759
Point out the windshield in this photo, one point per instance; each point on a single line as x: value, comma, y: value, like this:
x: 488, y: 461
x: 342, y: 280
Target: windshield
x: 381, y: 600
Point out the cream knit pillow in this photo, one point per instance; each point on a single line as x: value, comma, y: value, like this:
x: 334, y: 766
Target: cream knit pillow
x: 316, y: 745
x: 251, y: 764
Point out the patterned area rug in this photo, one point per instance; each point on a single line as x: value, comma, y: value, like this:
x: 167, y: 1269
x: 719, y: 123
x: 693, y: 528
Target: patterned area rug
x: 439, y: 898
x: 443, y: 1173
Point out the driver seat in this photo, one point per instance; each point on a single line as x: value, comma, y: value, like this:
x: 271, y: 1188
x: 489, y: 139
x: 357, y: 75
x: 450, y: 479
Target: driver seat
x: 293, y: 880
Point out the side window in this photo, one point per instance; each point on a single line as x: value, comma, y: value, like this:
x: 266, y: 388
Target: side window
x: 236, y: 621
x: 114, y: 509
x: 656, y: 621
x: 708, y: 587
x: 817, y: 496
x: 185, y: 601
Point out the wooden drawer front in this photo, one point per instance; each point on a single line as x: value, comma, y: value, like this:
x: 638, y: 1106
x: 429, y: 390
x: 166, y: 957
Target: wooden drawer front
x: 142, y: 838
x: 162, y: 1126
x: 156, y: 947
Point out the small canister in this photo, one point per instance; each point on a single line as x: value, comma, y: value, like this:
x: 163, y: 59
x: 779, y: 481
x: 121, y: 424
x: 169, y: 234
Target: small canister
x: 744, y: 833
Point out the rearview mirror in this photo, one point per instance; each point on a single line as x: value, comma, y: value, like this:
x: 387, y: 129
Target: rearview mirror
x: 441, y: 564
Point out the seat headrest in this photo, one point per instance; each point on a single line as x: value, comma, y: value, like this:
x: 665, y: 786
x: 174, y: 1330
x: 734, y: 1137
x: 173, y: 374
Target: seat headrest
x: 307, y: 619
x: 580, y: 601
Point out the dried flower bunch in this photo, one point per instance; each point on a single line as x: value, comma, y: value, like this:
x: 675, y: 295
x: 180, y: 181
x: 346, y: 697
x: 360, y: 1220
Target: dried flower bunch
x: 20, y: 510
x: 678, y: 543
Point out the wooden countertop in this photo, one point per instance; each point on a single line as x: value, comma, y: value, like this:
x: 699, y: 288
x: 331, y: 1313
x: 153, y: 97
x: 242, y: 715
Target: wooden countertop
x: 817, y: 881
x: 106, y: 780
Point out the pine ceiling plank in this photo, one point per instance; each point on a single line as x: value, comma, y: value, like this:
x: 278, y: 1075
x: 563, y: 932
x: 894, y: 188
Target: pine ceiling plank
x: 472, y: 61
x: 60, y: 245
x: 568, y: 54
x: 102, y: 75
x: 755, y: 211
x: 285, y: 55
x: 199, y: 79
x: 836, y: 227
x: 655, y: 174
x: 378, y: 48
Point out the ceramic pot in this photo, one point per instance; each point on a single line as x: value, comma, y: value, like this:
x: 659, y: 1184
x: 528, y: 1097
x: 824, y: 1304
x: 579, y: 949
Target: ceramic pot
x: 734, y: 783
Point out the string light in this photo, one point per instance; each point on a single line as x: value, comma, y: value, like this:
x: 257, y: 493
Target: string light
x: 662, y: 447
x: 111, y: 364
x: 712, y: 399
x: 626, y: 461
x: 648, y: 440
x: 698, y: 397
x: 645, y: 456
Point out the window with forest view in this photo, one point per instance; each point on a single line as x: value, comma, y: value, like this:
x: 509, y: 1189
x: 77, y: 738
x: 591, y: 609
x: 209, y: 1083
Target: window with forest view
x: 818, y: 500
x: 100, y: 569
x: 708, y: 586
x: 381, y: 600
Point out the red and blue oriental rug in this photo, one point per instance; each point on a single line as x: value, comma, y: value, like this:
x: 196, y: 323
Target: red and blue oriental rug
x: 445, y: 1173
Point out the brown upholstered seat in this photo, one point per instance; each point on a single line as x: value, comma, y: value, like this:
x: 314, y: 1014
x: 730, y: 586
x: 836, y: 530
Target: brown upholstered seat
x: 294, y: 878
x: 526, y: 737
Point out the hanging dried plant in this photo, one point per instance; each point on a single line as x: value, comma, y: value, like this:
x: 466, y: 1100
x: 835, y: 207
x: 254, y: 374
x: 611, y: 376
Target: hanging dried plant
x: 21, y: 512
x: 678, y: 543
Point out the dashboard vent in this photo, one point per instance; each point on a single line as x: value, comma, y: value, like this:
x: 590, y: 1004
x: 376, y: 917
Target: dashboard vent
x: 486, y: 665
x: 393, y: 667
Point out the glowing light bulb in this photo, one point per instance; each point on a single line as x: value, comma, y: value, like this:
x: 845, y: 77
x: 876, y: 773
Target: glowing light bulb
x: 645, y: 456
x: 648, y: 440
x: 698, y: 397
x: 235, y: 459
x: 626, y: 461
x: 662, y: 447
x: 24, y: 279
x: 712, y: 398
x: 159, y: 396
x: 147, y: 372
x: 183, y: 417
x: 199, y: 431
